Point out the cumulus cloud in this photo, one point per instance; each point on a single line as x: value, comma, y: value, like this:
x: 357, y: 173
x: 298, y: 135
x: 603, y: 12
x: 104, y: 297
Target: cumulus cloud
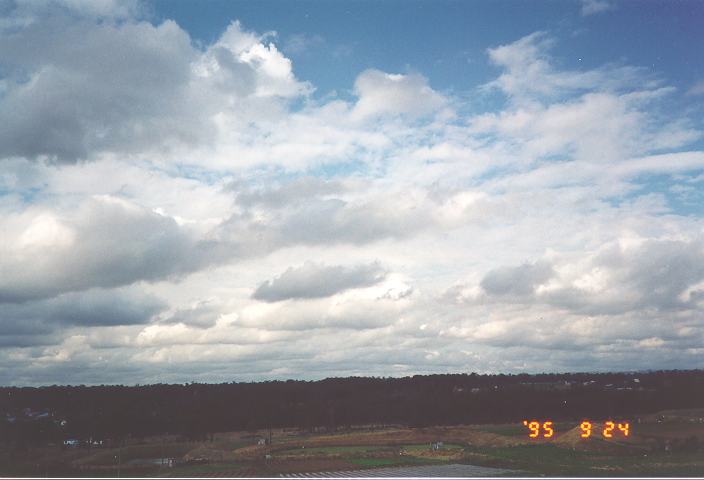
x: 69, y: 98
x: 662, y: 275
x: 659, y: 275
x: 316, y: 218
x: 353, y: 313
x: 201, y: 314
x: 383, y: 93
x: 108, y: 242
x: 102, y: 308
x: 520, y: 280
x: 240, y: 55
x: 94, y: 308
x: 66, y: 100
x: 47, y: 321
x: 312, y: 280
x: 547, y: 233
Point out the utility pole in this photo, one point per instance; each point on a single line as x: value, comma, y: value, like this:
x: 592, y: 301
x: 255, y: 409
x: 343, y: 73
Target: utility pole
x: 119, y: 460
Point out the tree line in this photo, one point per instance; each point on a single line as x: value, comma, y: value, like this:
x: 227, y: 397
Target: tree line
x: 37, y: 415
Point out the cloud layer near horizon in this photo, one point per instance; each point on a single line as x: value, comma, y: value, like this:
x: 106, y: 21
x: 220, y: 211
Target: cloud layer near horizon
x: 177, y: 212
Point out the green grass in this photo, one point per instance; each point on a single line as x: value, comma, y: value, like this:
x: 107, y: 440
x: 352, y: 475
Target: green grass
x: 542, y: 459
x: 389, y: 462
x: 546, y: 459
x: 674, y: 428
x: 663, y: 464
x: 343, y: 450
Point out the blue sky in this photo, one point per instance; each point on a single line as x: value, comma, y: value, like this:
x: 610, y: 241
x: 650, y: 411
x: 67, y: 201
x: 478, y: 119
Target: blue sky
x: 447, y: 40
x: 217, y: 191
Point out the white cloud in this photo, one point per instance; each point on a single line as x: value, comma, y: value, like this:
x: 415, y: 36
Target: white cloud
x: 381, y: 93
x: 238, y: 55
x: 223, y: 215
x: 591, y: 7
x: 312, y: 280
x: 85, y: 102
x: 521, y: 280
x: 107, y: 242
x: 529, y: 73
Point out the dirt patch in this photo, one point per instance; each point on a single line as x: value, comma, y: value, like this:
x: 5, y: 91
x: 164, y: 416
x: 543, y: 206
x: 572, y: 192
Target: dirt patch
x: 573, y: 439
x: 455, y: 454
x: 486, y: 439
x: 463, y: 435
x: 473, y: 435
x: 251, y: 452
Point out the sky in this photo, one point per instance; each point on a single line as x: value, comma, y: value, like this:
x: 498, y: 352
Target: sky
x: 246, y: 191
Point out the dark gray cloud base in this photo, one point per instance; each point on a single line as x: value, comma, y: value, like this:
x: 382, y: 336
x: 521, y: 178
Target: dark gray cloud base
x: 313, y: 280
x: 92, y: 308
x: 520, y: 280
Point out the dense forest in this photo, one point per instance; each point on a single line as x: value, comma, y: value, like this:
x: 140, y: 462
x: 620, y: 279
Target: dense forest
x: 52, y: 414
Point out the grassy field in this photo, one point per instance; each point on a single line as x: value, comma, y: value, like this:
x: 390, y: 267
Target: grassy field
x: 343, y: 450
x: 546, y: 459
x: 655, y: 448
x: 132, y: 452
